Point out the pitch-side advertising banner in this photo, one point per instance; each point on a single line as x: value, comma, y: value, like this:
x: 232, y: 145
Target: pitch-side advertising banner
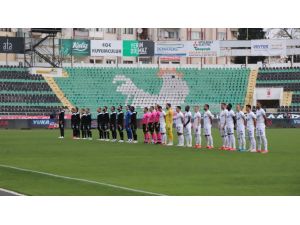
x: 106, y: 48
x: 170, y: 48
x: 202, y: 48
x: 268, y: 47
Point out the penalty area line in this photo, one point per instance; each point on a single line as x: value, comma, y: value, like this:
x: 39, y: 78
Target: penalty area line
x: 82, y: 180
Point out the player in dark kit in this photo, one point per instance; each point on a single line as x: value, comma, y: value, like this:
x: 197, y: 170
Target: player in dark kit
x: 120, y: 123
x: 89, y: 124
x: 61, y: 122
x: 83, y: 124
x: 99, y: 123
x: 113, y: 124
x: 105, y: 125
x: 77, y: 123
x: 133, y: 123
x: 73, y: 122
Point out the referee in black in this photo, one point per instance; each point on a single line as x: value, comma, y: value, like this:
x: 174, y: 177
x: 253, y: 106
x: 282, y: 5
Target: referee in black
x: 61, y: 122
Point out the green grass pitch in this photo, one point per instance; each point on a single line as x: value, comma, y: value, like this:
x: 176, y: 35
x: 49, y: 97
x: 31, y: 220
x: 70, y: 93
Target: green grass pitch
x: 145, y: 168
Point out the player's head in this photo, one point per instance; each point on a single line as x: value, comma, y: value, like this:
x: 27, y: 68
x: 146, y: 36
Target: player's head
x: 178, y: 108
x: 151, y: 108
x: 248, y: 108
x: 187, y: 108
x: 73, y: 110
x: 159, y: 108
x: 127, y: 107
x: 238, y: 107
x: 206, y: 107
x: 82, y: 110
x: 113, y: 108
x: 156, y: 106
x: 229, y: 107
x: 99, y: 109
x: 76, y: 108
x: 196, y: 108
x: 146, y: 109
x: 258, y: 105
x: 120, y: 108
x: 132, y: 108
x: 105, y: 109
x: 168, y: 105
x: 223, y: 105
x: 87, y: 110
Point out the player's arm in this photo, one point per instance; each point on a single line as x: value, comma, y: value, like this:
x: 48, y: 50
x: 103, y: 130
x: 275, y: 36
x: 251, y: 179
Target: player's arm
x: 182, y: 120
x: 244, y: 119
x: 210, y: 118
x: 265, y: 118
x: 189, y: 119
x: 254, y: 122
x: 224, y: 122
x: 234, y: 119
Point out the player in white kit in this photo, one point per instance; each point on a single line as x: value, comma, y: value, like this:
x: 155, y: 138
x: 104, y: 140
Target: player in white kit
x: 197, y: 127
x: 179, y: 121
x: 251, y: 124
x: 240, y: 128
x: 207, y: 123
x: 230, y: 122
x: 187, y: 126
x: 222, y: 126
x: 261, y: 120
x: 162, y: 125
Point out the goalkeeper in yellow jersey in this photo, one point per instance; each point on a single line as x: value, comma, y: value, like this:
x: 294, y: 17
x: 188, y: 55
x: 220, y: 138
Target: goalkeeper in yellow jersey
x: 169, y: 124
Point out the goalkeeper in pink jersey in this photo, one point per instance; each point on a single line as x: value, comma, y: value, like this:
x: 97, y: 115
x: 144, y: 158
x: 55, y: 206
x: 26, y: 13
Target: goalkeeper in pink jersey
x: 145, y: 122
x: 157, y: 125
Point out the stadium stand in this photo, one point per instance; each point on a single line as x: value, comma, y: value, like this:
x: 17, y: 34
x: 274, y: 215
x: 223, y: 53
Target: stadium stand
x: 288, y: 78
x: 93, y: 86
x: 22, y: 93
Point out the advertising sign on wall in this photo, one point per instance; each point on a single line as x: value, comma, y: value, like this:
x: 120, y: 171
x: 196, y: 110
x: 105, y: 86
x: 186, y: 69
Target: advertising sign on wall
x: 138, y: 48
x: 12, y: 45
x: 203, y: 48
x: 268, y: 47
x: 70, y: 47
x: 170, y: 48
x: 106, y: 48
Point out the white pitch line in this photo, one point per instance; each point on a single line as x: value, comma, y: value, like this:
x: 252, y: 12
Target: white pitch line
x: 82, y: 180
x: 11, y: 192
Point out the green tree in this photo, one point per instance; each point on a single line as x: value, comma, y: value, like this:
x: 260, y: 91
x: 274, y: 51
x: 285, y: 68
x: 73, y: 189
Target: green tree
x: 250, y: 34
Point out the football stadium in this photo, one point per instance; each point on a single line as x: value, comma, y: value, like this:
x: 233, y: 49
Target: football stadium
x: 149, y: 111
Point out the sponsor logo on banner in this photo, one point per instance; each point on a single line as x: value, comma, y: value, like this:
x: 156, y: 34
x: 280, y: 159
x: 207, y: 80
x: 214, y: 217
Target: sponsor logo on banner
x: 75, y: 47
x: 268, y: 47
x: 40, y: 122
x: 12, y: 45
x: 106, y: 48
x: 138, y: 48
x: 170, y: 48
x: 283, y: 115
x: 203, y: 48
